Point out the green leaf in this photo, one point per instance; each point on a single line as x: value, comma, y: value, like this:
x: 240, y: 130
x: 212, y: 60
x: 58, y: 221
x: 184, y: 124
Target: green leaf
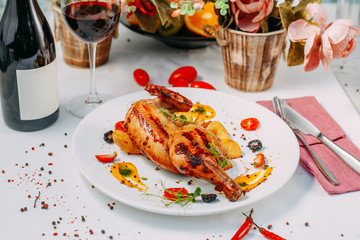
x: 184, y: 8
x: 174, y: 5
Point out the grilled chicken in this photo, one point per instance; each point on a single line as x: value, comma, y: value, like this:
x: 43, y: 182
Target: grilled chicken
x: 194, y: 151
x: 149, y: 125
x: 186, y: 149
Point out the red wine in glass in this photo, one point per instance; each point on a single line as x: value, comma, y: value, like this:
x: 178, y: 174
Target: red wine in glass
x: 91, y: 21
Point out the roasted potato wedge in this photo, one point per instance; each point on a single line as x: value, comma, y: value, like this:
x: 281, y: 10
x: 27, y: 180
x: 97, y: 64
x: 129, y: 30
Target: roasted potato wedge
x: 124, y: 142
x: 232, y: 148
x: 217, y: 129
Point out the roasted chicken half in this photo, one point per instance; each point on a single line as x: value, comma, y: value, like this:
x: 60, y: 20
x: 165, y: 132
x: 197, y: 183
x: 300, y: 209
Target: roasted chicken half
x: 181, y: 148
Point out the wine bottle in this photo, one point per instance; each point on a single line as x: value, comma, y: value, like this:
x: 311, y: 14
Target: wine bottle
x: 28, y: 77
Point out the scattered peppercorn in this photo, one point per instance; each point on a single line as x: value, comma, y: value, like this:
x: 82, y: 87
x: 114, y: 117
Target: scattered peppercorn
x: 306, y: 224
x: 42, y: 145
x: 190, y: 182
x: 103, y: 231
x: 83, y: 218
x: 65, y: 146
x: 42, y: 169
x: 50, y: 172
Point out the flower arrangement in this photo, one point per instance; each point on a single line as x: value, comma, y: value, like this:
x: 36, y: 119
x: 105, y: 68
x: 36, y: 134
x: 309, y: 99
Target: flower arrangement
x: 311, y: 39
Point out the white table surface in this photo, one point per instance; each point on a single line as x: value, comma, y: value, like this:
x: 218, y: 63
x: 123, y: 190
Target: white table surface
x: 301, y: 200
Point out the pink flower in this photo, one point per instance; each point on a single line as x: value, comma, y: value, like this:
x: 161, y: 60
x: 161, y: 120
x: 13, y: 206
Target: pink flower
x: 323, y: 42
x: 250, y: 13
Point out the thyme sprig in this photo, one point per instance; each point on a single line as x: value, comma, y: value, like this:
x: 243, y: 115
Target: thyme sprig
x: 213, y: 151
x: 173, y: 117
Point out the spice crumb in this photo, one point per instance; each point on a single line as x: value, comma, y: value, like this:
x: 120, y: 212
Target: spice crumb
x: 269, y: 226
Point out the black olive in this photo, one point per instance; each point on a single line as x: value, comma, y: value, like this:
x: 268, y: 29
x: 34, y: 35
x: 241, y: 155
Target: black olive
x: 208, y: 197
x: 108, y: 137
x: 255, y: 145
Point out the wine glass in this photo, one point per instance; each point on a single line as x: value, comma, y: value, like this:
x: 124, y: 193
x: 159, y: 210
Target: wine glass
x: 91, y: 21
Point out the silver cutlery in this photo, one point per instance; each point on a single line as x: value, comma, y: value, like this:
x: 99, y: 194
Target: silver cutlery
x: 319, y: 163
x: 306, y: 127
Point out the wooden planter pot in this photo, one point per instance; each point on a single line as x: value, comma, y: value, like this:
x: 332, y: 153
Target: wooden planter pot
x: 251, y: 59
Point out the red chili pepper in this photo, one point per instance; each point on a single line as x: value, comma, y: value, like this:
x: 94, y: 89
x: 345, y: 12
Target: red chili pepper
x: 269, y: 235
x: 245, y: 228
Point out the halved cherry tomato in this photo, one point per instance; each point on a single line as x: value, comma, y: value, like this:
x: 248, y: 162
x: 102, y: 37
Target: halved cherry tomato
x: 181, y: 83
x: 173, y: 193
x: 249, y: 124
x: 201, y: 84
x: 107, y: 158
x: 141, y: 77
x: 259, y: 160
x: 120, y: 126
x: 187, y: 73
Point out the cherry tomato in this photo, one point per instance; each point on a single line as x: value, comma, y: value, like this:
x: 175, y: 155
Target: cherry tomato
x: 187, y: 73
x: 107, y: 158
x: 249, y: 124
x: 120, y: 126
x: 259, y: 160
x: 141, y: 77
x: 201, y: 84
x: 181, y: 83
x: 173, y: 193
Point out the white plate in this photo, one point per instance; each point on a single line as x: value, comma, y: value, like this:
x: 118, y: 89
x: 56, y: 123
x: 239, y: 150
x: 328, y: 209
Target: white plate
x: 280, y: 147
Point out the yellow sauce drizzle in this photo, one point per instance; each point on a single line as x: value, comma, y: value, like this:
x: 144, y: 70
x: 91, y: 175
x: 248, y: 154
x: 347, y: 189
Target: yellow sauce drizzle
x: 247, y: 181
x: 124, y: 170
x: 201, y: 109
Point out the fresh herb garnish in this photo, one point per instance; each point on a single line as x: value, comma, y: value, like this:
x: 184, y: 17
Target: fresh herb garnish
x: 213, y: 151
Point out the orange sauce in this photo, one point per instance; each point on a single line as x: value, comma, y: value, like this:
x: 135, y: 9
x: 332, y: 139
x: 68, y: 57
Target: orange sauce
x: 127, y: 174
x: 251, y: 181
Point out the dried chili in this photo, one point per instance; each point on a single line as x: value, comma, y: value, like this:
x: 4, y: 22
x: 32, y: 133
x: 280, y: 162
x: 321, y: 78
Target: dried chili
x: 245, y: 227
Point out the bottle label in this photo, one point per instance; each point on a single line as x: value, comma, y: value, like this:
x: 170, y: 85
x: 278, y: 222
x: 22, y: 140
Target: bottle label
x: 38, y: 91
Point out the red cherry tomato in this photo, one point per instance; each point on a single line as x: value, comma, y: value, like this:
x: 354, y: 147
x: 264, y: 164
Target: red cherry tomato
x: 107, y: 158
x: 141, y: 77
x: 120, y: 126
x: 181, y: 83
x: 173, y: 193
x: 187, y: 73
x: 259, y: 160
x: 201, y: 84
x: 249, y: 124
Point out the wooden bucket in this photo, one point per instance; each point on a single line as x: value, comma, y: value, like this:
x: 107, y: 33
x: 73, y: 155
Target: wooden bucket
x: 75, y: 52
x: 250, y: 59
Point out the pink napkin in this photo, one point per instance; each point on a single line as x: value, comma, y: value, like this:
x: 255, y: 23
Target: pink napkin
x: 310, y: 108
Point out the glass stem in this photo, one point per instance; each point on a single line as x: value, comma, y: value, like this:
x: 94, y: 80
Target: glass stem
x: 93, y: 97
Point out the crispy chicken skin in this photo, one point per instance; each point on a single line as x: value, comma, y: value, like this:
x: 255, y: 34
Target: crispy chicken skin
x: 149, y: 128
x: 192, y: 150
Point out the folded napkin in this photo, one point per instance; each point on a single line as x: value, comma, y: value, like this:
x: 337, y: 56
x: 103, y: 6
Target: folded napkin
x: 310, y: 108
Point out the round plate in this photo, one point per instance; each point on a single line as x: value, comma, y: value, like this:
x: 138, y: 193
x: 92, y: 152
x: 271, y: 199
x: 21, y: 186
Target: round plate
x: 181, y: 42
x: 280, y: 148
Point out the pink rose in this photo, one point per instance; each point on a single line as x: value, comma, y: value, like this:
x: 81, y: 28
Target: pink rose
x: 323, y: 42
x: 250, y: 13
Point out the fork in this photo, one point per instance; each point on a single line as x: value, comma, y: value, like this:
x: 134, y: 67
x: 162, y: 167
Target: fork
x: 319, y: 163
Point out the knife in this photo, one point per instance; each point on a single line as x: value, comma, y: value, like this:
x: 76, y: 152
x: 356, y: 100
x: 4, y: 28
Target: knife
x: 305, y: 126
x: 319, y: 163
